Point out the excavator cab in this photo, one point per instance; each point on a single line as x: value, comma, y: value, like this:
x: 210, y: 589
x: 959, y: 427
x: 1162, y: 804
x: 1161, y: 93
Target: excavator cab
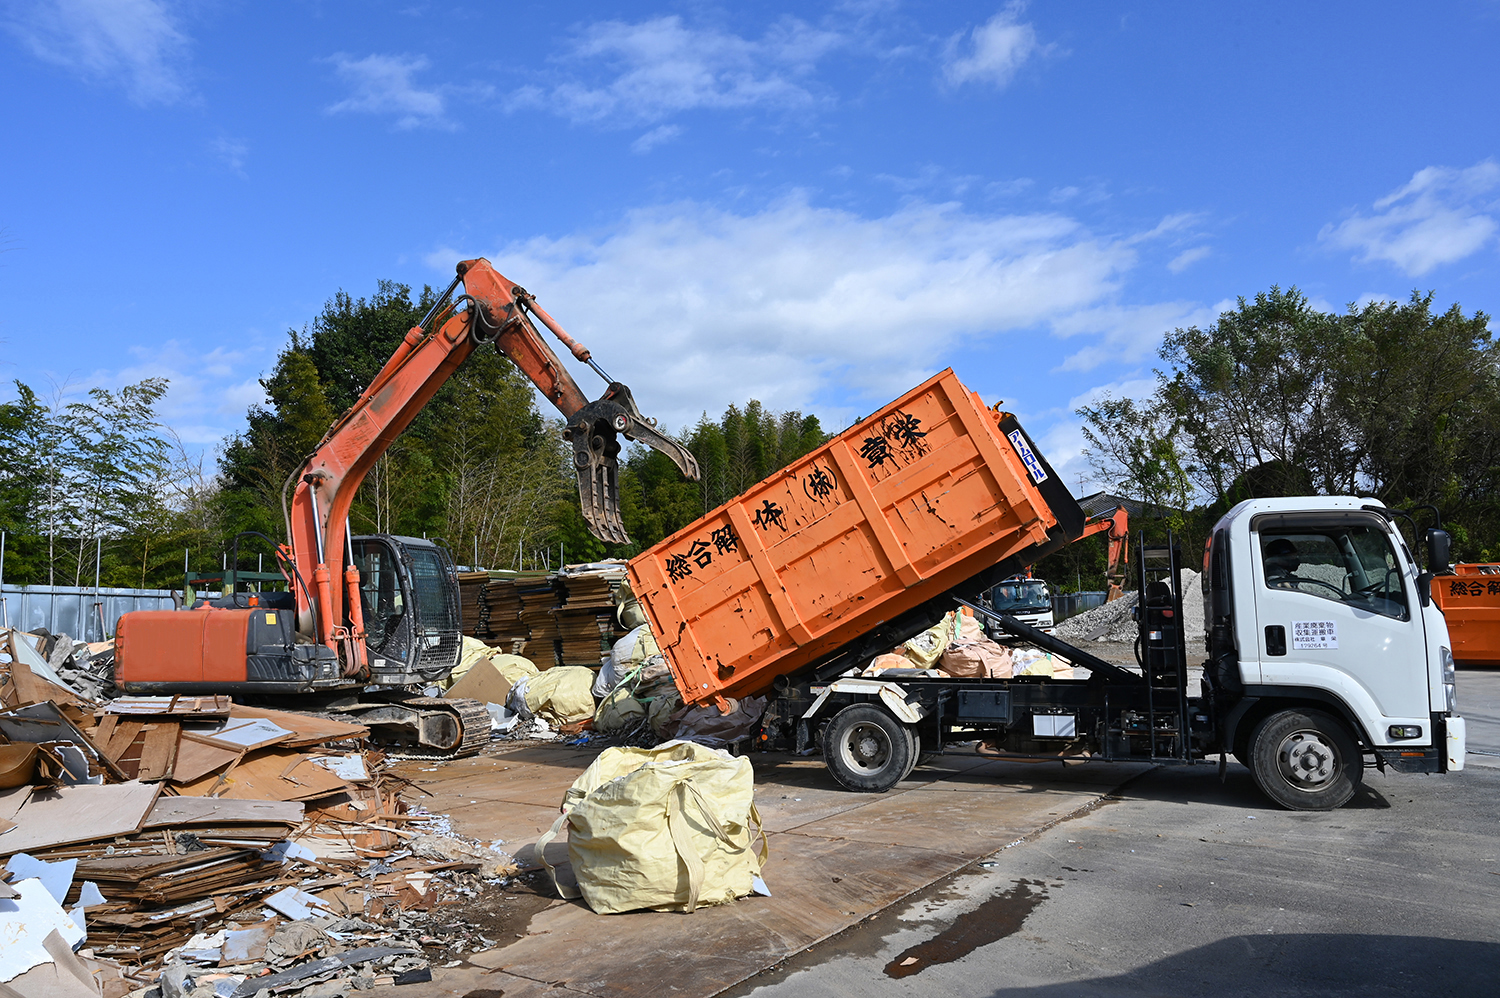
x: 409, y: 596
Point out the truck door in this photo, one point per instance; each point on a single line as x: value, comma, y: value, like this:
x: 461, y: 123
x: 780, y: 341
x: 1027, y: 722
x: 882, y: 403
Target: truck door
x: 1337, y: 611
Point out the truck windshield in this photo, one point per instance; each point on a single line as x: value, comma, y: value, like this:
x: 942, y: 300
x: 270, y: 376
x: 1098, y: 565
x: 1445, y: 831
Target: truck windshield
x: 1347, y: 563
x: 1020, y: 597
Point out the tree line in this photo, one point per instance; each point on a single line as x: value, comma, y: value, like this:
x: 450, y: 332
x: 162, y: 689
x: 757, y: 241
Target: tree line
x: 1274, y: 398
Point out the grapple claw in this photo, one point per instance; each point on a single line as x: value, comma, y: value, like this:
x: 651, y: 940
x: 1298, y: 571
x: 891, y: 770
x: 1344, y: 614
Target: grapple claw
x: 595, y: 431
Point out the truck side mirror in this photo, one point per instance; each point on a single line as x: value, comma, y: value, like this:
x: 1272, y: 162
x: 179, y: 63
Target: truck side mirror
x: 1438, y: 545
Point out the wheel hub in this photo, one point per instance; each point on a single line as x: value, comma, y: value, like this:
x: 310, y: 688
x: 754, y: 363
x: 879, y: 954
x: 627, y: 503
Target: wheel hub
x: 1307, y: 760
x: 867, y: 747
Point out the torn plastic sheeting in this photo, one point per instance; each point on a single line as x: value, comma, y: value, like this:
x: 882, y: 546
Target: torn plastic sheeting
x: 25, y: 923
x: 316, y: 968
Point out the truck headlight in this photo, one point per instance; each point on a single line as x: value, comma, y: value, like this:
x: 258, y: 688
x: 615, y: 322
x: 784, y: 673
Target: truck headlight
x: 1450, y: 677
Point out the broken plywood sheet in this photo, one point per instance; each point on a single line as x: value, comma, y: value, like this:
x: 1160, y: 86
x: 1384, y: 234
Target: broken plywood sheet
x: 250, y: 732
x: 61, y: 816
x: 221, y: 811
x: 144, y: 750
x: 305, y: 730
x: 269, y: 774
x: 198, y: 755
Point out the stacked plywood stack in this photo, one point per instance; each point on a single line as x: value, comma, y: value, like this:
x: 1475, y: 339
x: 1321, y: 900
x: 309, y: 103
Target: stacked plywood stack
x: 539, y: 600
x: 473, y: 609
x: 503, y: 597
x: 585, y: 620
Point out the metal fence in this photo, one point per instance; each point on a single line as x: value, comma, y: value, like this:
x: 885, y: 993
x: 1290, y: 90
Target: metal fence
x: 83, y: 614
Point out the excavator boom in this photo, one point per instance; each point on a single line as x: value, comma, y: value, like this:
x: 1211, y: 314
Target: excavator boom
x: 495, y: 311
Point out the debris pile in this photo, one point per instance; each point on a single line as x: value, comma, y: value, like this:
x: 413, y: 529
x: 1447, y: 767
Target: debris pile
x: 173, y: 842
x: 1113, y: 622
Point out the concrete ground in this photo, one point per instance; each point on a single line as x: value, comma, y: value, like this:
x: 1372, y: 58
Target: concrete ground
x: 978, y: 877
x: 837, y: 858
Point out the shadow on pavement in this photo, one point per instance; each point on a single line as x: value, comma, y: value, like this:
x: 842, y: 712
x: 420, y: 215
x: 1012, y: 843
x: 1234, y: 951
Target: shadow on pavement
x: 1296, y: 965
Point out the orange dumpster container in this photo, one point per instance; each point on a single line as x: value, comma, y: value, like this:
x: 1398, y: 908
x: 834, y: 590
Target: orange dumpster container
x: 906, y: 504
x: 1470, y: 600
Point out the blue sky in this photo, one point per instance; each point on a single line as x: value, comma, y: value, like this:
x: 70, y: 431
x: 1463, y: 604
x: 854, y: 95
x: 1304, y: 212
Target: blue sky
x: 813, y: 204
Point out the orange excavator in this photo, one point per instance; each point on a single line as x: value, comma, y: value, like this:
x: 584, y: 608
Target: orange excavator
x: 368, y: 616
x: 1117, y: 524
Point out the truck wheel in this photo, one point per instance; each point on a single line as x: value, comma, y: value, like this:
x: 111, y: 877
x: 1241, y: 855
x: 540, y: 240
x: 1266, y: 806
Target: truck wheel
x: 868, y: 750
x: 1305, y: 760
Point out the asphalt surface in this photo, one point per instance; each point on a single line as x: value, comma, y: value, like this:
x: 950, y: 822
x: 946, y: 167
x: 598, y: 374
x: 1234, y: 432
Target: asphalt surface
x: 1183, y: 885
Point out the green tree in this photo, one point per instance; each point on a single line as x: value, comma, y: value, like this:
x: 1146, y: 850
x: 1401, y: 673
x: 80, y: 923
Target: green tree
x: 1259, y: 391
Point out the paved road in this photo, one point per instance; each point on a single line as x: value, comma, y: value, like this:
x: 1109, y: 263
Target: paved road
x: 1186, y: 886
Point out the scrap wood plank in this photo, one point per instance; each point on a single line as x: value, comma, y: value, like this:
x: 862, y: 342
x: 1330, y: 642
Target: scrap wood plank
x: 307, y: 731
x: 197, y: 706
x: 65, y: 815
x: 158, y: 751
x: 184, y: 811
x: 122, y: 739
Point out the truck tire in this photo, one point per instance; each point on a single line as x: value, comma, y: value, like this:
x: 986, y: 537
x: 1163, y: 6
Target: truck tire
x: 1305, y: 760
x: 867, y: 750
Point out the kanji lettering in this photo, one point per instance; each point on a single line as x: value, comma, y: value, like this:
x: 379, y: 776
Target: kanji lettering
x: 818, y: 484
x: 701, y: 554
x: 904, y: 430
x: 678, y: 568
x: 724, y: 540
x: 770, y: 515
x: 875, y: 450
x: 1493, y: 588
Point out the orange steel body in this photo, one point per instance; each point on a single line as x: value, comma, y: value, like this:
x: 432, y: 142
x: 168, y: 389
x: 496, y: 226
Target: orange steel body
x: 907, y: 503
x: 419, y: 367
x: 197, y: 647
x: 1470, y: 600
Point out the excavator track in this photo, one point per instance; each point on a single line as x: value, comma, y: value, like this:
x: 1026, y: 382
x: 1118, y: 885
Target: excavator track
x: 474, y: 723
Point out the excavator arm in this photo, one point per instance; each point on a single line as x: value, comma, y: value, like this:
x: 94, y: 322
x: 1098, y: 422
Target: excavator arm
x: 496, y: 311
x: 1117, y: 523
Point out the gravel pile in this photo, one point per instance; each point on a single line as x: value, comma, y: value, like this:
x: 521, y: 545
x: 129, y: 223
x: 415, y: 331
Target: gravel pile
x: 1112, y: 621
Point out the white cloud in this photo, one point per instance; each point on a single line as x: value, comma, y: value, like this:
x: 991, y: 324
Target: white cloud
x: 640, y: 73
x: 1182, y: 261
x: 995, y: 49
x: 1441, y: 216
x: 133, y: 43
x: 654, y: 138
x: 1125, y: 333
x: 795, y: 302
x: 232, y: 152
x: 384, y: 84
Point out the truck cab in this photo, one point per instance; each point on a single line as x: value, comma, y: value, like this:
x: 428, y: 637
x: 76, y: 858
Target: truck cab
x: 1324, y: 645
x: 1026, y: 599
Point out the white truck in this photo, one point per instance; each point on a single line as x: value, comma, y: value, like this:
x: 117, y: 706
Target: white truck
x: 1026, y: 599
x: 1325, y: 650
x: 1325, y: 654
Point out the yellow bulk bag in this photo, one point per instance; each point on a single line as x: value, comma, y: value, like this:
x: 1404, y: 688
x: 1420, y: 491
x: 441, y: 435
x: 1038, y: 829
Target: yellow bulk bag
x: 562, y: 695
x: 667, y: 828
x: 514, y: 667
